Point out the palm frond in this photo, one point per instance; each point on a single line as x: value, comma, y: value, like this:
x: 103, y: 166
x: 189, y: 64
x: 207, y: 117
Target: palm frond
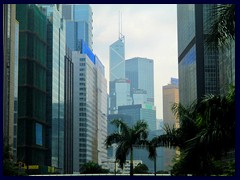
x: 113, y: 138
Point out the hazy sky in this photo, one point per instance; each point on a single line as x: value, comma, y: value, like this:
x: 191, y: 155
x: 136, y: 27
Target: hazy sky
x: 150, y: 31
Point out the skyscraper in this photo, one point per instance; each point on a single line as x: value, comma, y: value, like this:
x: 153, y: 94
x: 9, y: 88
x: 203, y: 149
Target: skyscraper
x: 90, y: 108
x: 56, y: 52
x: 170, y: 96
x: 68, y: 113
x: 140, y: 72
x: 117, y: 73
x: 33, y: 142
x: 78, y: 25
x: 197, y: 59
x: 10, y: 75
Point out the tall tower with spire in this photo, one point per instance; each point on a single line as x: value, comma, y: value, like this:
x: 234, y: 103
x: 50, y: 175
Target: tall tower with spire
x: 116, y: 68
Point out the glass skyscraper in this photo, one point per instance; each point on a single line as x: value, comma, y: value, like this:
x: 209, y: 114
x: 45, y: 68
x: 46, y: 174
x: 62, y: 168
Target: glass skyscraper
x: 55, y: 89
x: 197, y: 59
x: 33, y: 142
x: 78, y: 25
x: 140, y: 72
x: 117, y: 73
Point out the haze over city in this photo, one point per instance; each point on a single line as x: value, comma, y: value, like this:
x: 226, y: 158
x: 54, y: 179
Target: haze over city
x: 150, y: 31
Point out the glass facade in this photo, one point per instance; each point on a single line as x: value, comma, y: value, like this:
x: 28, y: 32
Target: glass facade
x: 32, y: 90
x: 55, y: 65
x: 140, y: 72
x: 198, y: 60
x: 15, y: 90
x: 78, y: 25
x: 188, y: 78
x: 117, y: 60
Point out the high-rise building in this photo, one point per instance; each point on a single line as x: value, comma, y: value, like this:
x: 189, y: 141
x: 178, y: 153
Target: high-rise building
x: 117, y: 73
x: 120, y: 94
x: 170, y: 96
x: 117, y: 60
x: 140, y: 72
x: 78, y: 25
x: 56, y: 51
x: 10, y: 75
x: 90, y: 108
x: 33, y: 142
x: 68, y: 113
x: 101, y: 110
x: 197, y: 59
x: 137, y: 112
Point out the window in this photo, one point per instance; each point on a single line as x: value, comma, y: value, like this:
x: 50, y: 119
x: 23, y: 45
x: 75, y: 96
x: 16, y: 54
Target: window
x: 39, y: 134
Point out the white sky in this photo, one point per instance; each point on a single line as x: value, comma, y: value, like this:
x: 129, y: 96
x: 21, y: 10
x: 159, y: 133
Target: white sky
x: 150, y: 31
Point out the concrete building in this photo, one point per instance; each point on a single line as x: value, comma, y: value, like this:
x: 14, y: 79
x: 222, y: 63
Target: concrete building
x: 10, y: 75
x: 170, y: 96
x: 90, y: 108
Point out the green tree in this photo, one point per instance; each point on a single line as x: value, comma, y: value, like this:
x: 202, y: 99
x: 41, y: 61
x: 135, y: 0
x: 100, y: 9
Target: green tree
x: 10, y: 168
x: 92, y: 168
x: 127, y: 138
x: 222, y: 24
x: 151, y: 146
x: 140, y: 169
x: 206, y: 134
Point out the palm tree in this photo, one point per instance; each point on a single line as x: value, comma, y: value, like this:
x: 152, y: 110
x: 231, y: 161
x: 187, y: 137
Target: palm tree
x: 222, y: 24
x: 127, y: 138
x: 151, y: 146
x: 209, y: 123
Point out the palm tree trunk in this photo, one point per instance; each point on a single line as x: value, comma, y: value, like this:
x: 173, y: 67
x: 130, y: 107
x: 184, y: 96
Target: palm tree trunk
x: 131, y: 161
x: 155, y: 166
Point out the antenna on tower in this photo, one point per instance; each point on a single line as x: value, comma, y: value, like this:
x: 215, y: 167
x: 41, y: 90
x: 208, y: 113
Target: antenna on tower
x: 120, y: 26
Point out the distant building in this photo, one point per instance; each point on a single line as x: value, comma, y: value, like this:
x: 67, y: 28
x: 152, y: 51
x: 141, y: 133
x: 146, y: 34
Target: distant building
x: 117, y: 74
x: 120, y: 94
x: 170, y: 96
x: 140, y: 72
x: 140, y: 112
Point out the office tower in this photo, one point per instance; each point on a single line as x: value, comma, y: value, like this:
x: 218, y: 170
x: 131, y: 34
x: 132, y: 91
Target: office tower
x: 117, y: 72
x: 68, y: 113
x: 101, y: 110
x: 140, y: 72
x: 10, y: 75
x: 90, y: 108
x: 170, y: 96
x: 32, y: 91
x: 120, y: 94
x: 198, y: 61
x: 140, y: 112
x: 55, y: 82
x: 117, y: 59
x: 78, y: 25
x: 139, y: 96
